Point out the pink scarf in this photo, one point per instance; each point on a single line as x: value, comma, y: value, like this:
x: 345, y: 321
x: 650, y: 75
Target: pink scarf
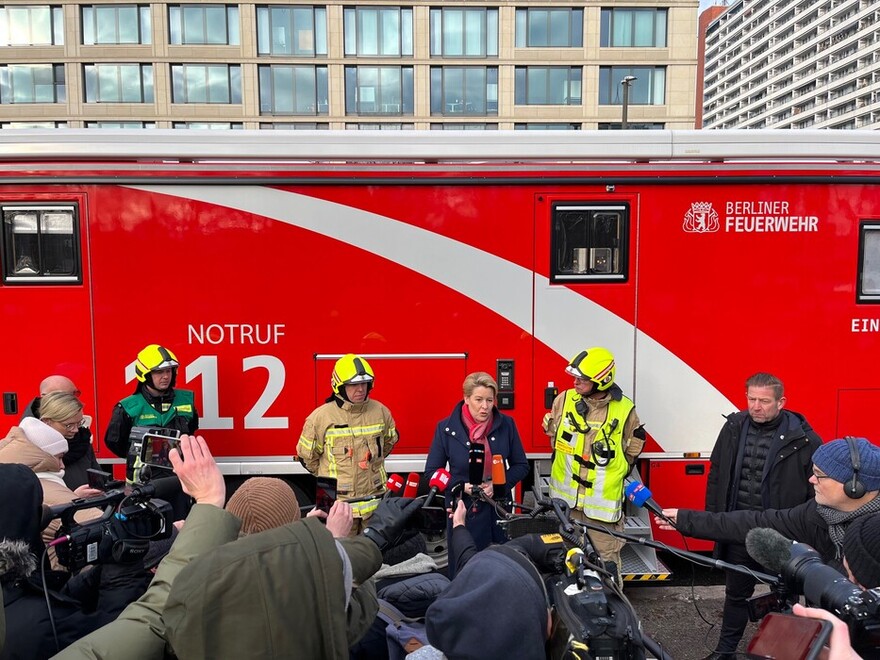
x: 477, y: 433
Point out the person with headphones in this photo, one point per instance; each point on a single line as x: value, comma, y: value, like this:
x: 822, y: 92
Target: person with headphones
x: 348, y: 437
x: 846, y: 479
x: 597, y: 437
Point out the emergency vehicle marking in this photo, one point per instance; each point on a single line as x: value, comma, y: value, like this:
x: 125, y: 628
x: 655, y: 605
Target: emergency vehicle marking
x: 562, y: 317
x: 746, y: 216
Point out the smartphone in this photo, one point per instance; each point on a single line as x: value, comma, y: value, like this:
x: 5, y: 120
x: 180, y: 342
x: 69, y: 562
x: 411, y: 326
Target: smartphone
x: 325, y: 493
x: 157, y: 446
x: 429, y: 520
x: 790, y: 637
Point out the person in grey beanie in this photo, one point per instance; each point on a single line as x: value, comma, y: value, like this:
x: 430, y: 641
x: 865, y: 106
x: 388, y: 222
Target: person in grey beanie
x: 846, y: 478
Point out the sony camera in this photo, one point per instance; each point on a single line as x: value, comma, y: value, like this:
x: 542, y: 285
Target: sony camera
x: 121, y: 535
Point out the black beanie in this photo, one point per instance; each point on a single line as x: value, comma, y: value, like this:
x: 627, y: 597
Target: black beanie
x: 861, y: 548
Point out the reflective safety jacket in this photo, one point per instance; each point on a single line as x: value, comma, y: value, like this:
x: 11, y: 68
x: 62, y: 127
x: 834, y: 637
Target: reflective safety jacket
x: 349, y: 442
x: 593, y: 453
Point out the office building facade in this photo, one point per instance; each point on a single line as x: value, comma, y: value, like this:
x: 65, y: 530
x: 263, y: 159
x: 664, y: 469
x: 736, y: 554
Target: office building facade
x: 379, y: 65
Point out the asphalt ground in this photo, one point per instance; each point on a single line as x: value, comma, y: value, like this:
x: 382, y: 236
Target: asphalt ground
x: 683, y: 614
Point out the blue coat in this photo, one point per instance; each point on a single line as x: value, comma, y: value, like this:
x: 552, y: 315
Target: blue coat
x: 451, y: 446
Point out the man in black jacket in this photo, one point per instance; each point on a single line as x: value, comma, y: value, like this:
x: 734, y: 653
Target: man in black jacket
x: 762, y: 459
x: 846, y: 479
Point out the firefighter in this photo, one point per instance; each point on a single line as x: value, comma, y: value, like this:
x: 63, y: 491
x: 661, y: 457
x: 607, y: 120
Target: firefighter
x: 596, y: 438
x: 348, y: 437
x: 155, y: 403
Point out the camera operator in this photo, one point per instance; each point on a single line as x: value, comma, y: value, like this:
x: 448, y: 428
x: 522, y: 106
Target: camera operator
x: 210, y: 601
x: 846, y: 479
x: 496, y: 606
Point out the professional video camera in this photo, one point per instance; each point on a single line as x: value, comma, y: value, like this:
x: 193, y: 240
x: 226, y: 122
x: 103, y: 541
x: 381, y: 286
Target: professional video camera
x: 123, y: 533
x: 805, y: 574
x: 591, y: 616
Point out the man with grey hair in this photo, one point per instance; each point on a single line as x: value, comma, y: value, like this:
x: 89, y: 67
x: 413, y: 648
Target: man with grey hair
x: 762, y: 459
x: 80, y: 455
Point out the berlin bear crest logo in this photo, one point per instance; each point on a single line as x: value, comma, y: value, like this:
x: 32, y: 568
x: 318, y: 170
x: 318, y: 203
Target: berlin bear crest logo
x: 701, y: 218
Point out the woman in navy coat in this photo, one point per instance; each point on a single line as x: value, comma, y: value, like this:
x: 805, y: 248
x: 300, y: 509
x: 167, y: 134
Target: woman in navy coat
x: 477, y: 420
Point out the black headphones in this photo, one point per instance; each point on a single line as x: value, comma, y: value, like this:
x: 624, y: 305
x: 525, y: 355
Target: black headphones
x: 855, y: 488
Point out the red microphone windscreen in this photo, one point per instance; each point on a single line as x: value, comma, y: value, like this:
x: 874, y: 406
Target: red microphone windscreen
x: 412, y: 484
x: 440, y: 480
x: 394, y: 483
x: 499, y: 473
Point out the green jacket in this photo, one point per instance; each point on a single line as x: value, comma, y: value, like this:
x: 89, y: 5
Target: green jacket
x: 278, y: 594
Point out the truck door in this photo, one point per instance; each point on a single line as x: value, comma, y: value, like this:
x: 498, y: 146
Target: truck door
x: 44, y: 297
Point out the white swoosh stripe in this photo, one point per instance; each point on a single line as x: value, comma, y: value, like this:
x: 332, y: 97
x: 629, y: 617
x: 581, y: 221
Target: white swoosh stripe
x: 681, y: 408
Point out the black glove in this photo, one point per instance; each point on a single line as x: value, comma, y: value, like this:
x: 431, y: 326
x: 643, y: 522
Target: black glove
x: 389, y: 519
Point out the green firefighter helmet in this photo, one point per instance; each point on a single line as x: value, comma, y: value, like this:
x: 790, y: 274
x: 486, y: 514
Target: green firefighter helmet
x: 351, y: 369
x: 153, y: 358
x: 595, y: 364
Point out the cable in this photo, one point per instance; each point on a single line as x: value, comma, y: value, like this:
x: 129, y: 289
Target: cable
x: 46, y: 594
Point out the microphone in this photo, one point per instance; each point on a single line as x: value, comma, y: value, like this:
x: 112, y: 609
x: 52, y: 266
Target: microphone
x: 412, y: 484
x: 476, y: 460
x: 499, y: 473
x: 637, y: 493
x: 163, y: 489
x: 439, y: 481
x: 393, y: 486
x: 769, y: 548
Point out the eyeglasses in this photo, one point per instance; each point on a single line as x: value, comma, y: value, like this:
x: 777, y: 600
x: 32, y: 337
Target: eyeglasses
x: 819, y: 477
x: 73, y: 426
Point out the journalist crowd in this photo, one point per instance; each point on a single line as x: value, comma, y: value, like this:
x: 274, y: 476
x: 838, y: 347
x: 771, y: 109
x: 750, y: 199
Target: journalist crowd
x: 167, y: 563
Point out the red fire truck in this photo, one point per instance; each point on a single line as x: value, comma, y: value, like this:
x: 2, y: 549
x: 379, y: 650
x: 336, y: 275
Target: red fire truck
x: 697, y: 257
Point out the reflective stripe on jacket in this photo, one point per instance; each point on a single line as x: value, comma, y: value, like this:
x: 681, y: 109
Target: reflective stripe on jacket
x: 589, y: 463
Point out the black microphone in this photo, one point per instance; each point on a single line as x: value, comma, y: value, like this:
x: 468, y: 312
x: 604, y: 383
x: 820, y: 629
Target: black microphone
x: 769, y: 548
x: 476, y: 461
x: 163, y: 489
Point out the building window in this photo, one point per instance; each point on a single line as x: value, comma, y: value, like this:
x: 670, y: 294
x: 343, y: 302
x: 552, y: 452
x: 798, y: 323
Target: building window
x: 869, y: 263
x: 549, y: 28
x: 378, y: 31
x: 206, y: 83
x: 287, y: 89
x: 120, y: 124
x: 210, y: 125
x: 361, y: 126
x: 119, y: 83
x: 648, y: 88
x: 533, y: 126
x: 32, y: 83
x: 298, y: 126
x: 33, y: 124
x: 379, y: 90
x: 31, y: 25
x: 547, y: 85
x: 116, y: 24
x: 633, y: 28
x: 464, y: 32
x: 204, y: 25
x: 468, y: 90
x: 287, y: 30
x: 589, y: 241
x: 632, y: 125
x: 473, y: 126
x: 40, y: 244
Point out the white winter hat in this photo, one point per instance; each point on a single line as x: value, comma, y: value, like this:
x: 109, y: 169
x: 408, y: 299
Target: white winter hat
x: 44, y: 436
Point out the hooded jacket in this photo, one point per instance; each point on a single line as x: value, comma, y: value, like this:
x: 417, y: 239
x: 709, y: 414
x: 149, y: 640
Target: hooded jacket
x: 16, y: 448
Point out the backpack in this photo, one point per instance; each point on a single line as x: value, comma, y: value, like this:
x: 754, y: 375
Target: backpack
x: 403, y: 634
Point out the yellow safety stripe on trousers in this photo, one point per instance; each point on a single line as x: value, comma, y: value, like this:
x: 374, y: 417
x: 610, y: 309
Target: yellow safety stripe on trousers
x: 363, y: 509
x: 357, y: 431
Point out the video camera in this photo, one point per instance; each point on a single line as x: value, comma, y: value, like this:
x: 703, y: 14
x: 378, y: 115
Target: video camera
x: 122, y: 534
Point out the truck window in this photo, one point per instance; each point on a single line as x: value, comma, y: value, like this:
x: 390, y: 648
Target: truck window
x: 869, y: 263
x: 589, y: 242
x: 40, y: 245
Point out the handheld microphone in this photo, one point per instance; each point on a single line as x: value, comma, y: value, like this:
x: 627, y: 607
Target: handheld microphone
x: 393, y: 486
x: 637, y: 493
x: 439, y: 481
x: 412, y: 484
x: 499, y: 473
x: 769, y: 548
x: 476, y: 460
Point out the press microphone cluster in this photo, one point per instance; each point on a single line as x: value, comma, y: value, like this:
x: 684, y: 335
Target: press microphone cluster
x: 439, y: 481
